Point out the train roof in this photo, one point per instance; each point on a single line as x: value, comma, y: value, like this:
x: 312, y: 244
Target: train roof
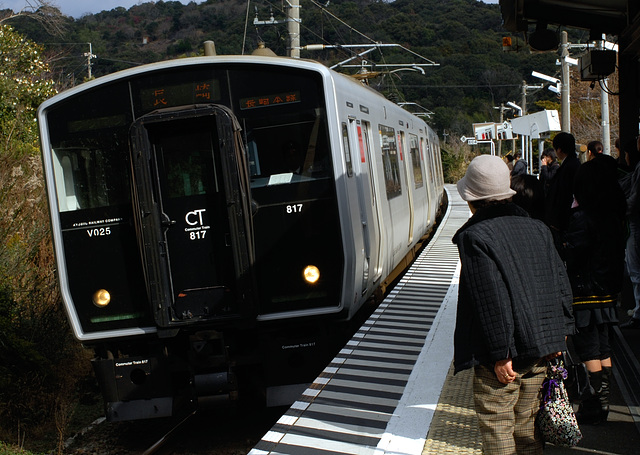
x: 217, y: 59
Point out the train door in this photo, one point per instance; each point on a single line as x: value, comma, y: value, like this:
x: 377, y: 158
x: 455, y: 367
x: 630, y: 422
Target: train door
x: 376, y: 227
x: 407, y: 169
x: 192, y: 218
x: 428, y: 167
x: 368, y: 217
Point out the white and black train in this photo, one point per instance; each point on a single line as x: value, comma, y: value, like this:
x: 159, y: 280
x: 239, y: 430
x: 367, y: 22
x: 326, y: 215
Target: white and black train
x: 216, y: 220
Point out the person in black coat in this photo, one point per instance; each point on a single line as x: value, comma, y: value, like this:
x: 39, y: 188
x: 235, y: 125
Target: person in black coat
x: 559, y: 196
x: 548, y: 167
x: 519, y: 165
x: 594, y: 251
x: 529, y: 194
x: 514, y: 307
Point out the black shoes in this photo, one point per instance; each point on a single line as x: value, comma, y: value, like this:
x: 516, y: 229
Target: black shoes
x: 632, y: 323
x: 595, y: 409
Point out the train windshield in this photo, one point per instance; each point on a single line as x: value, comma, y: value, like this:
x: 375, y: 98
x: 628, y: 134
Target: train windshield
x: 87, y: 145
x: 300, y: 153
x: 285, y: 128
x: 86, y: 176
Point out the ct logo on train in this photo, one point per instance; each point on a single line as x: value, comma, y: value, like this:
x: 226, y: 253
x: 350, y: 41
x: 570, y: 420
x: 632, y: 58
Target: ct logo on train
x: 197, y: 229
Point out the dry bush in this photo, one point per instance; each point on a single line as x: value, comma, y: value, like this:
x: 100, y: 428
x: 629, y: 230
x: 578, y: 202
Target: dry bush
x: 456, y: 156
x: 586, y: 115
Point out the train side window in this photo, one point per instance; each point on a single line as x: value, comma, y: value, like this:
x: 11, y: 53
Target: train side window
x: 414, y: 149
x: 430, y: 159
x: 347, y: 149
x: 438, y: 163
x: 434, y: 153
x: 389, y: 149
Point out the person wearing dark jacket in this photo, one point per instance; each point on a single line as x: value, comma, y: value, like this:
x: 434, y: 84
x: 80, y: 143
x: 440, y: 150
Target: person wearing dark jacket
x: 560, y: 193
x: 594, y: 251
x: 631, y: 186
x: 514, y: 308
x: 519, y: 165
x: 529, y: 194
x: 548, y: 167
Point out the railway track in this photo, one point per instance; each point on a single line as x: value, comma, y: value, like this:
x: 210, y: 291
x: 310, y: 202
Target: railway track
x: 164, y: 441
x: 231, y: 430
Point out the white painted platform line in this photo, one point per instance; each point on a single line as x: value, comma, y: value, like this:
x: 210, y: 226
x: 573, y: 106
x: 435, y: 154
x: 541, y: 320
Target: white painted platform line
x: 408, y: 427
x: 379, y: 394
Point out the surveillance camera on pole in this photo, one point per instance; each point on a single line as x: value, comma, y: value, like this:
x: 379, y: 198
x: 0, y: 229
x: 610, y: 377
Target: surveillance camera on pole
x: 553, y: 80
x: 572, y: 61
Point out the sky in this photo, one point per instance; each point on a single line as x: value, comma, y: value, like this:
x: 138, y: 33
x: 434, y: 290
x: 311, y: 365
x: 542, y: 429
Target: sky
x: 76, y: 8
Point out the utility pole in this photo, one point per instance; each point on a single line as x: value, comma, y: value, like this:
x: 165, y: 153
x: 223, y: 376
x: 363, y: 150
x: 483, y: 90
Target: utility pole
x: 293, y: 27
x: 566, y: 84
x: 519, y: 113
x: 502, y: 109
x: 292, y: 11
x: 89, y: 56
x: 526, y: 140
x: 501, y: 120
x: 604, y: 111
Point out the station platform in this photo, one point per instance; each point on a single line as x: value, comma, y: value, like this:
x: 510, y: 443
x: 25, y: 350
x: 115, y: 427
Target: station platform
x: 391, y: 389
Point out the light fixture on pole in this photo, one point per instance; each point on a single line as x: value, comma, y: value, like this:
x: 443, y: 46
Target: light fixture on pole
x: 513, y: 105
x: 554, y: 80
x: 558, y: 88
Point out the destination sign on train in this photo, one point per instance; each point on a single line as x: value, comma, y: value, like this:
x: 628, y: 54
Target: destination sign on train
x: 269, y: 100
x: 197, y: 92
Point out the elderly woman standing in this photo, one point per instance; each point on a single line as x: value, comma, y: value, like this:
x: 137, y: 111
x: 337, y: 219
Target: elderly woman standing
x: 514, y: 308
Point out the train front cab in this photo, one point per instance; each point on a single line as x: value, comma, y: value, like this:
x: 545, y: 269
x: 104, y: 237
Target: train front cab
x: 183, y: 257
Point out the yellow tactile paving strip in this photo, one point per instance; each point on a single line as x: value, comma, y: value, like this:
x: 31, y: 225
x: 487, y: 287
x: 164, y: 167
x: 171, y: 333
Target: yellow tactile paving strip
x: 454, y: 428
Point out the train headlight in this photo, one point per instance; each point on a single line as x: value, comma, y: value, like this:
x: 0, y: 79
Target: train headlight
x: 101, y: 298
x: 311, y: 274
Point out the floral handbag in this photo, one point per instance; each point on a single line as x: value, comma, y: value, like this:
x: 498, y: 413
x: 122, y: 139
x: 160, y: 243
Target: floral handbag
x: 555, y: 420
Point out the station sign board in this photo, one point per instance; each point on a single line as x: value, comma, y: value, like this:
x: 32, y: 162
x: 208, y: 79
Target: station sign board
x: 484, y: 131
x: 504, y: 131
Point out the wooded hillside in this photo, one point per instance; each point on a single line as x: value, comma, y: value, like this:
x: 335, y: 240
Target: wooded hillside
x: 463, y: 36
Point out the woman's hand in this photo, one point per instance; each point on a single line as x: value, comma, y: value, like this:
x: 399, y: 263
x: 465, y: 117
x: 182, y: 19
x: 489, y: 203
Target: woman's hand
x: 504, y: 371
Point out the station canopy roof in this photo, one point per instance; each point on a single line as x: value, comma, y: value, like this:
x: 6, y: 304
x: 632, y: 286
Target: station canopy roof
x: 599, y: 16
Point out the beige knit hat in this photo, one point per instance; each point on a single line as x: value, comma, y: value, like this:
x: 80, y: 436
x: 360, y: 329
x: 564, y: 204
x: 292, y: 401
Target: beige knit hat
x: 487, y: 177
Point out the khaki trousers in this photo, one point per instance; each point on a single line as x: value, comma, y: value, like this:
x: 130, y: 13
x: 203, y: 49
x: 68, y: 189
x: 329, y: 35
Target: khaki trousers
x: 506, y: 412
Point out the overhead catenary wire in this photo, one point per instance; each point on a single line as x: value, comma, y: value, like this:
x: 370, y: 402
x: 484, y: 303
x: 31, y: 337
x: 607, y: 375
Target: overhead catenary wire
x: 324, y: 9
x: 279, y: 9
x: 349, y: 49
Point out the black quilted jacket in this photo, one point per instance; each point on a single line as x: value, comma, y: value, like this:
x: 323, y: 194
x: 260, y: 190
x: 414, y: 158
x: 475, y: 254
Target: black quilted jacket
x: 514, y: 298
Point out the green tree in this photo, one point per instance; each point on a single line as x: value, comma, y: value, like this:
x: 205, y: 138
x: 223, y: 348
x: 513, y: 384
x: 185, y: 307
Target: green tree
x: 23, y: 86
x: 34, y: 336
